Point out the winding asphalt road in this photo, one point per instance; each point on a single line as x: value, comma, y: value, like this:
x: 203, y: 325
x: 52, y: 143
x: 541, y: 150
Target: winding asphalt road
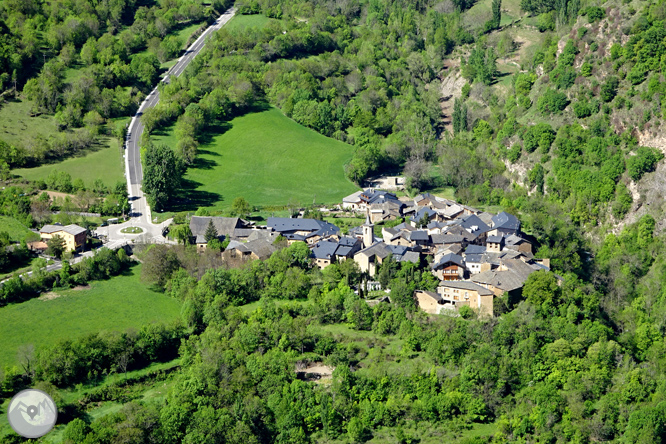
x: 140, y: 211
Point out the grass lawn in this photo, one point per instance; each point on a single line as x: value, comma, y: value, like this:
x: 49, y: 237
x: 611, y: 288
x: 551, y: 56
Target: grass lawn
x: 16, y: 125
x: 247, y: 21
x: 105, y: 163
x: 266, y: 158
x: 114, y: 305
x: 17, y: 231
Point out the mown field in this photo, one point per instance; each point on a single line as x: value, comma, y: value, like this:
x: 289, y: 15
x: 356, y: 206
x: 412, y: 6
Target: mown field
x: 267, y: 158
x: 247, y: 21
x: 115, y: 305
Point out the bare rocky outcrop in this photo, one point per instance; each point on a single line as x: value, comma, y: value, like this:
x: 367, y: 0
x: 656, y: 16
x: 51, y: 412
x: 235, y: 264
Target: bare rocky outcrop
x: 451, y: 90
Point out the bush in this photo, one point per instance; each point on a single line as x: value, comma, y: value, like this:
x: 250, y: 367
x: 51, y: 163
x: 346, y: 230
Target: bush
x: 609, y: 89
x: 582, y: 109
x: 552, y: 102
x: 644, y: 161
x: 539, y: 135
x: 546, y: 22
x: 594, y: 14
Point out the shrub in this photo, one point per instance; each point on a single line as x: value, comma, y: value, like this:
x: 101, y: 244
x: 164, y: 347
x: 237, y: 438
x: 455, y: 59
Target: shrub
x: 539, y: 135
x: 609, y: 89
x: 594, y: 14
x: 645, y: 160
x: 582, y: 109
x: 586, y: 69
x: 546, y: 22
x: 552, y: 102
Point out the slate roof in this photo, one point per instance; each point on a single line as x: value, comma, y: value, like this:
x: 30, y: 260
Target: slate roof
x: 468, y: 222
x: 422, y: 212
x: 262, y: 234
x: 486, y: 217
x: 507, y: 280
x: 371, y: 196
x: 453, y: 210
x: 410, y: 256
x: 72, y: 229
x: 513, y: 239
x: 261, y: 247
x: 242, y: 232
x: 324, y: 250
x: 450, y: 257
x: 225, y: 226
x: 494, y: 239
x: 466, y: 285
x: 504, y: 280
x: 451, y: 238
x: 436, y: 224
x: 348, y: 241
x: 474, y: 258
x: 400, y: 253
x: 506, y: 221
x: 284, y: 224
x: 419, y: 235
x: 475, y: 249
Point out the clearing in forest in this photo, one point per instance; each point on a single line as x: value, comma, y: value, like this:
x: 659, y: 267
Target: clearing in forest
x: 266, y: 158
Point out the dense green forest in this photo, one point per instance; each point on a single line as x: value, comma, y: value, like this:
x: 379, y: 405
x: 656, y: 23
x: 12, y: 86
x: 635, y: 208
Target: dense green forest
x: 581, y: 362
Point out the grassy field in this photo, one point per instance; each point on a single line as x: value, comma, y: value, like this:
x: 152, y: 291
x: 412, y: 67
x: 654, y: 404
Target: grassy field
x: 114, y: 305
x: 105, y: 163
x: 247, y: 21
x: 17, y: 231
x: 267, y: 158
x: 16, y: 124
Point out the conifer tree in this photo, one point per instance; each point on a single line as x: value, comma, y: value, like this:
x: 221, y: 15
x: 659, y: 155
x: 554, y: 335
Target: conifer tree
x: 211, y: 231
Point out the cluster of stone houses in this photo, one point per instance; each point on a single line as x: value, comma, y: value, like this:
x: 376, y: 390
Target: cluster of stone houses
x: 476, y: 256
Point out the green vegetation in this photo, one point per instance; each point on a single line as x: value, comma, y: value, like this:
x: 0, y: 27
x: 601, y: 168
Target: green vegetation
x: 18, y: 126
x: 16, y: 230
x: 114, y: 305
x: 104, y: 163
x: 269, y: 160
x: 247, y: 21
x: 132, y: 230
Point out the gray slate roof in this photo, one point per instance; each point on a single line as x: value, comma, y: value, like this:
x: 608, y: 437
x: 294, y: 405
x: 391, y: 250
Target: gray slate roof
x: 225, y: 226
x: 454, y: 258
x: 475, y: 249
x: 473, y: 220
x: 494, y: 239
x: 506, y: 221
x: 324, y: 250
x: 285, y: 224
x: 466, y: 285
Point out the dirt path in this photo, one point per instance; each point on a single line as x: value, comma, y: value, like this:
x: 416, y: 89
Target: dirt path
x: 451, y: 90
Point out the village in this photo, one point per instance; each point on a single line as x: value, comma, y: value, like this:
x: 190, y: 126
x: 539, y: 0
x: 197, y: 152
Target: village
x: 476, y: 256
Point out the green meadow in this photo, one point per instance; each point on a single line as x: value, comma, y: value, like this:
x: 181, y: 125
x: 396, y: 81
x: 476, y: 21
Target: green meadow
x: 116, y: 304
x: 266, y: 158
x: 247, y: 21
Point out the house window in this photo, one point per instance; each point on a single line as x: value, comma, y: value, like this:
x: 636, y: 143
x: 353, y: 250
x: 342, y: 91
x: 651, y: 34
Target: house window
x: 466, y: 296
